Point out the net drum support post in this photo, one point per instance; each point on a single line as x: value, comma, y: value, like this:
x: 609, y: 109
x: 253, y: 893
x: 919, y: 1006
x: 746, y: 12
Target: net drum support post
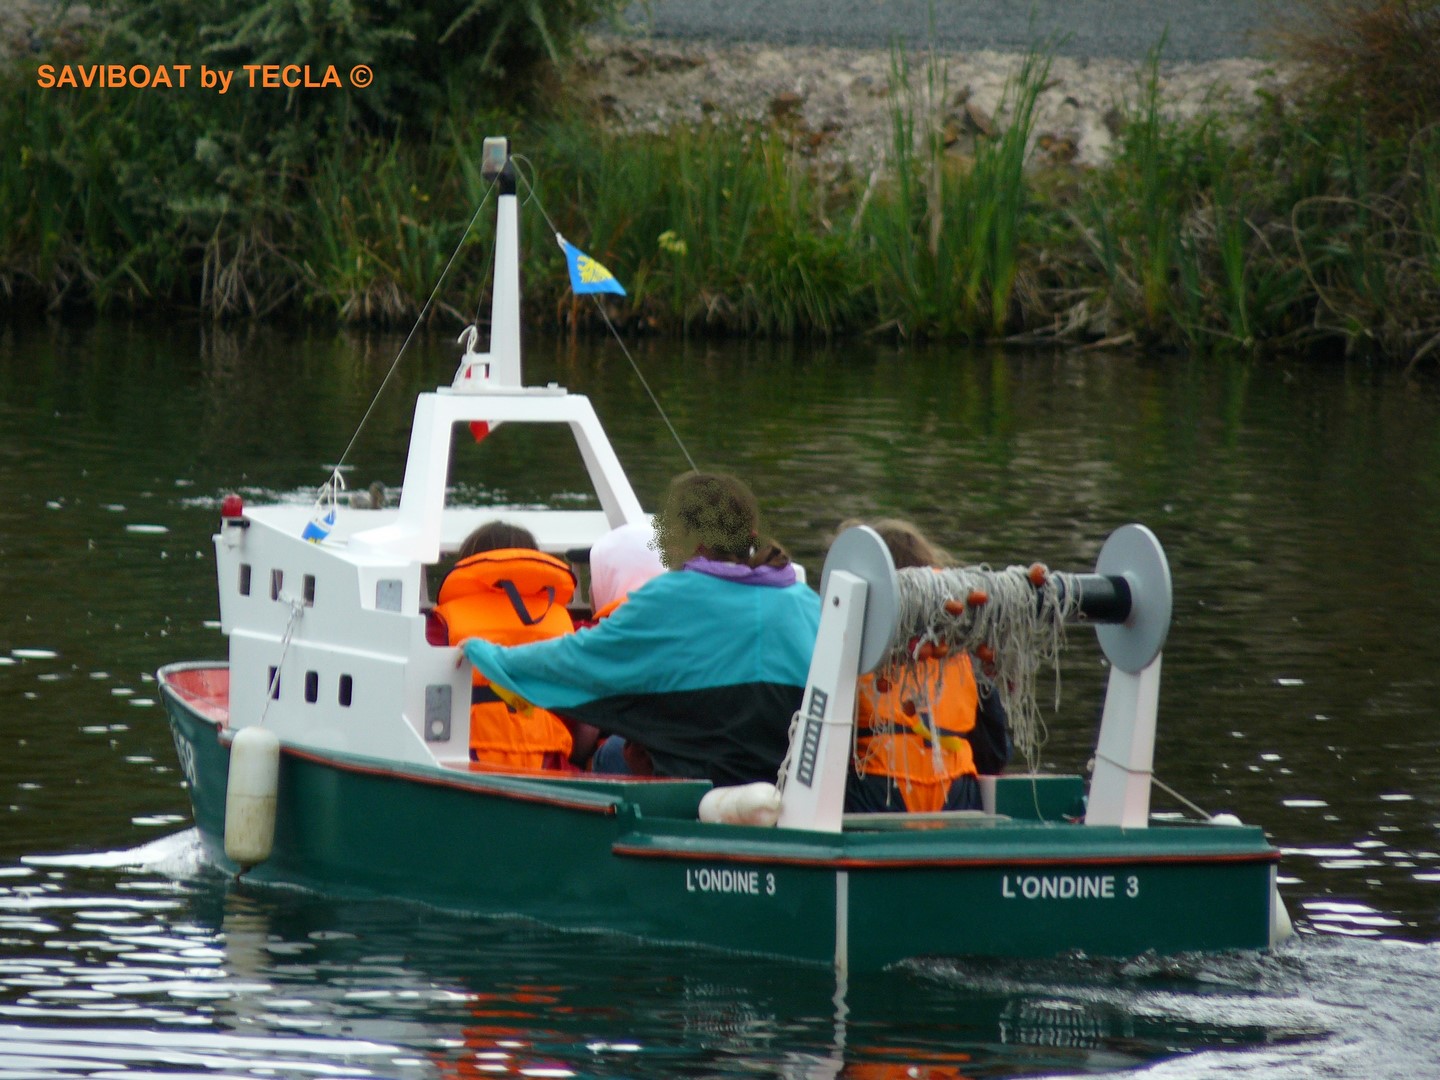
x: 1125, y: 751
x: 859, y: 602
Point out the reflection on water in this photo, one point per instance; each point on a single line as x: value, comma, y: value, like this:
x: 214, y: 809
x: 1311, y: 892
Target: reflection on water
x: 148, y: 962
x: 1302, y: 676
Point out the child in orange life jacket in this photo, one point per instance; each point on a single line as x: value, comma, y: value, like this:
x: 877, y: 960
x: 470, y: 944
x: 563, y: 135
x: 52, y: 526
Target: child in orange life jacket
x: 504, y: 589
x: 922, y: 736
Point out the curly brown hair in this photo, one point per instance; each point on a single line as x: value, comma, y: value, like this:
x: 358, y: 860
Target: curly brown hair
x: 715, y: 515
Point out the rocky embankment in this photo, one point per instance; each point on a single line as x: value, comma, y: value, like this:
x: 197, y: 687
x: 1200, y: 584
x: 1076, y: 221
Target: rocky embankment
x: 838, y: 104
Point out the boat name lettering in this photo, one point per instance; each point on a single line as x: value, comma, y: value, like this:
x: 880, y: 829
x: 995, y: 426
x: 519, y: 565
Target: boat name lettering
x: 186, y: 753
x: 1065, y: 886
x: 706, y: 879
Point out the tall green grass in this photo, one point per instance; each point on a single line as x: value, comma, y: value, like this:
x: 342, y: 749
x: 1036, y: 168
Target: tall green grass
x: 948, y: 235
x: 711, y: 229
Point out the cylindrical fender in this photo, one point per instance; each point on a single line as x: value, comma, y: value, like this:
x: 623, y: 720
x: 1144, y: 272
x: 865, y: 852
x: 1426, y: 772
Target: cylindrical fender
x: 250, y: 795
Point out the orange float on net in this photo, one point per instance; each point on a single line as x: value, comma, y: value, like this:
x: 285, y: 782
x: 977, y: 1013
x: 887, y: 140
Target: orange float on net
x: 1038, y: 573
x: 985, y: 654
x: 882, y: 684
x: 908, y: 708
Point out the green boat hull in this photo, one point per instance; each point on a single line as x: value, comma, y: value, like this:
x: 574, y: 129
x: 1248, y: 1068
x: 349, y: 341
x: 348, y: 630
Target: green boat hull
x: 631, y: 857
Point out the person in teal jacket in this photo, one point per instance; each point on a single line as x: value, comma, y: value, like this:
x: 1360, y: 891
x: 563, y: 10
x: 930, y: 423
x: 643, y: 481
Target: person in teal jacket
x: 703, y: 666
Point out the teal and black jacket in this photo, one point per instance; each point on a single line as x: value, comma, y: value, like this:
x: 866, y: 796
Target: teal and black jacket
x: 703, y: 672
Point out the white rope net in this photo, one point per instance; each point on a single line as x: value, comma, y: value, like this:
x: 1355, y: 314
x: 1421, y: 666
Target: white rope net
x: 1012, y: 621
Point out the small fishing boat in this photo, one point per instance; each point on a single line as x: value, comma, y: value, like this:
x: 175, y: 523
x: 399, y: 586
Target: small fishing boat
x: 331, y: 751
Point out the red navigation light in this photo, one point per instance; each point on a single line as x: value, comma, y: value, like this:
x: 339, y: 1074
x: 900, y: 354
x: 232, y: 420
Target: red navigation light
x: 232, y: 506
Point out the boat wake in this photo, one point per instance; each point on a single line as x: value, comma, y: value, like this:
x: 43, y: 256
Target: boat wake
x: 179, y: 856
x: 1316, y: 1006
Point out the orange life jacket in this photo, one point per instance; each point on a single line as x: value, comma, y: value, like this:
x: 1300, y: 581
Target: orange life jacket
x: 511, y: 596
x: 897, y: 728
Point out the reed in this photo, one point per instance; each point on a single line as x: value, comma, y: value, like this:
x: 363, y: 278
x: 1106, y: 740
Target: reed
x: 712, y: 229
x: 948, y: 233
x: 376, y: 240
x: 1134, y: 213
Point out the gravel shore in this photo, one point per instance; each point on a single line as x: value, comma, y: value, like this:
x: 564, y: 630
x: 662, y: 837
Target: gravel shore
x: 838, y: 103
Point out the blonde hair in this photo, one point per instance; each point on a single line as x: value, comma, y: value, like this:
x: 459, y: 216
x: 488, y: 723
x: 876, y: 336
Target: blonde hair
x: 908, y: 545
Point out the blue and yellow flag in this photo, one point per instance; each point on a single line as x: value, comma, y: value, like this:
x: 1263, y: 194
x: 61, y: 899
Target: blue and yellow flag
x: 587, y: 275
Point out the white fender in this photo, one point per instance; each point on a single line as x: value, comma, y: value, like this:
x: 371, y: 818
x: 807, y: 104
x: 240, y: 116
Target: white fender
x: 748, y: 804
x: 1280, y: 925
x: 250, y: 795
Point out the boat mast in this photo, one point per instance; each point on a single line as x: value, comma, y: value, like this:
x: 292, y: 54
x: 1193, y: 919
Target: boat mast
x: 500, y: 367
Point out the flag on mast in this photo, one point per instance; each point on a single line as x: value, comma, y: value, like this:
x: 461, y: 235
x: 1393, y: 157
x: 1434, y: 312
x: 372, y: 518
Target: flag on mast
x: 587, y: 275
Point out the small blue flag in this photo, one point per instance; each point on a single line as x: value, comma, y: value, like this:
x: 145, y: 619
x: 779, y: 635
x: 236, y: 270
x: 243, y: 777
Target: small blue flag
x: 319, y: 527
x: 587, y: 275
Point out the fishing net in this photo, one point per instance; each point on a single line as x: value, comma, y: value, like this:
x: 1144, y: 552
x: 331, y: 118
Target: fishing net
x: 1012, y: 621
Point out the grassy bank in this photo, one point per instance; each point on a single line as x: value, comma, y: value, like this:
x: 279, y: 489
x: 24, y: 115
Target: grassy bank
x: 1312, y: 227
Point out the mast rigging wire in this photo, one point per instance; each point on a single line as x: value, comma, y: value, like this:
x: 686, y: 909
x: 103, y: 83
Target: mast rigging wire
x: 533, y: 194
x: 336, y: 481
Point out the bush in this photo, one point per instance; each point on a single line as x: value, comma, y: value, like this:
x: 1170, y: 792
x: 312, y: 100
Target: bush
x: 1372, y: 58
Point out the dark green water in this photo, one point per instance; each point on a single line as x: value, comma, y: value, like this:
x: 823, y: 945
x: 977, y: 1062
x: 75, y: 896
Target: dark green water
x: 1299, y: 508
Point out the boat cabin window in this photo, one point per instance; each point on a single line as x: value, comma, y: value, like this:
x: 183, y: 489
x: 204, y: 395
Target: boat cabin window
x: 277, y: 581
x: 309, y: 590
x: 347, y: 690
x: 244, y: 579
x: 312, y: 686
x: 272, y: 680
x: 517, y: 464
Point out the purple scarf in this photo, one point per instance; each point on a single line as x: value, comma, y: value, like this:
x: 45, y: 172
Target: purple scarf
x: 775, y: 577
